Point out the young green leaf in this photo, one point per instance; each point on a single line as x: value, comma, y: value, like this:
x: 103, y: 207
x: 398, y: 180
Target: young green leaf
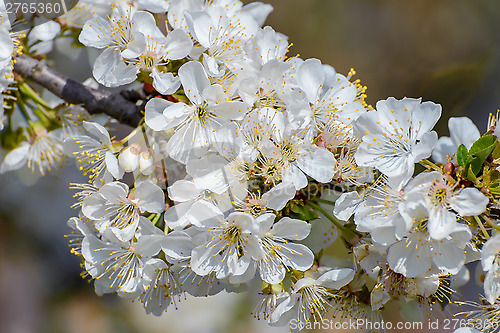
x: 483, y: 147
x: 462, y: 155
x: 475, y: 165
x: 303, y: 212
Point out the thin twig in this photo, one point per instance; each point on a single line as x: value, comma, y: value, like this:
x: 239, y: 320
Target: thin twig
x: 115, y: 105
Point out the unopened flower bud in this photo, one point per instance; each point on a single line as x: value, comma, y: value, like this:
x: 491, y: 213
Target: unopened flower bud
x: 148, y: 88
x: 146, y: 163
x: 449, y: 167
x: 129, y: 158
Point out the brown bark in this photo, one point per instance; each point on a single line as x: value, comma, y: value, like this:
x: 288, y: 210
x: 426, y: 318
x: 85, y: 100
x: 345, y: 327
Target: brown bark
x: 118, y: 105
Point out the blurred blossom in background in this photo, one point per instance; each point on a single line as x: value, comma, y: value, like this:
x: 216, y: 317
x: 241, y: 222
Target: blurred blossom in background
x: 445, y: 51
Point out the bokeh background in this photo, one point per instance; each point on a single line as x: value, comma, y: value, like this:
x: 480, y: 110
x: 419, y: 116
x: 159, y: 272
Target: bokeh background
x: 446, y: 51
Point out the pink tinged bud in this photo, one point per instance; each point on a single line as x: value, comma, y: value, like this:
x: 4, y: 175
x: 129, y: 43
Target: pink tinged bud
x: 146, y: 163
x: 129, y: 158
x: 449, y: 167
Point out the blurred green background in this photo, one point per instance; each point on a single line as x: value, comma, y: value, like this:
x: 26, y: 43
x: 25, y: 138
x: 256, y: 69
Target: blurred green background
x: 446, y: 51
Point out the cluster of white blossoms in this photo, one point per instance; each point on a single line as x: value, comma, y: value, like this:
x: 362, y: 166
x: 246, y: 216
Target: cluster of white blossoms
x: 231, y: 181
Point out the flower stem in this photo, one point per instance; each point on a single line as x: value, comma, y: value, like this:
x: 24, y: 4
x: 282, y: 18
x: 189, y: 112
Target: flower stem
x: 22, y: 107
x: 32, y: 94
x: 332, y: 219
x: 429, y: 164
x: 328, y: 202
x: 481, y: 226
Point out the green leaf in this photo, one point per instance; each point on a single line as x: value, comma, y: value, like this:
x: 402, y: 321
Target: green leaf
x: 483, y: 147
x: 10, y: 139
x: 475, y: 167
x: 470, y: 175
x: 496, y: 151
x: 303, y: 212
x: 462, y: 155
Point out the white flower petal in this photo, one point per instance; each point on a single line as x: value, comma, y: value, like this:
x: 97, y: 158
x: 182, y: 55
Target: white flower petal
x: 444, y: 147
x: 182, y: 190
x: 93, y: 207
x: 258, y: 11
x: 489, y: 252
x: 424, y: 148
x: 409, y: 257
x: 113, y: 165
x: 145, y: 23
x: 469, y: 202
x: 346, y: 205
x: 271, y: 272
x: 178, y: 44
x: 127, y: 233
x: 177, y: 245
x: 176, y: 216
x: 441, y: 223
x: 265, y: 222
x: 319, y: 165
x: 278, y: 196
x: 115, y: 191
x: 46, y: 31
x: 201, y: 26
x: 297, y: 256
x: 292, y: 229
x: 96, y: 33
x: 150, y: 197
x: 310, y: 77
x: 492, y: 284
x: 205, y: 260
x: 194, y: 80
x: 165, y: 83
x: 98, y: 131
x: 337, y: 278
x: 135, y: 47
x: 16, y: 158
x: 204, y: 214
x: 111, y: 71
x: 448, y: 256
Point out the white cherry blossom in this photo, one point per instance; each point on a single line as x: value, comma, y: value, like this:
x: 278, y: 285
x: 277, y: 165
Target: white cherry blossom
x: 222, y: 35
x: 114, y: 206
x: 160, y: 286
x: 280, y: 253
x: 309, y: 296
x: 397, y: 135
x: 444, y: 200
x: 299, y: 158
x: 95, y: 153
x: 122, y: 35
x: 195, y: 124
x: 229, y: 246
x: 490, y: 260
x: 327, y: 96
x: 462, y: 131
x: 419, y: 253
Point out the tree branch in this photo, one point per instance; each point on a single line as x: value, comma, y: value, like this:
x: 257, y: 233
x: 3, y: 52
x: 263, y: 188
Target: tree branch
x: 116, y: 105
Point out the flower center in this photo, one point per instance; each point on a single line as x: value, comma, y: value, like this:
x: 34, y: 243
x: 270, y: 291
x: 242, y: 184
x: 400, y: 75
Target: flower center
x: 313, y: 299
x: 148, y: 61
x: 121, y: 31
x: 201, y: 114
x: 271, y: 170
x: 288, y: 151
x: 439, y: 194
x: 233, y: 236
